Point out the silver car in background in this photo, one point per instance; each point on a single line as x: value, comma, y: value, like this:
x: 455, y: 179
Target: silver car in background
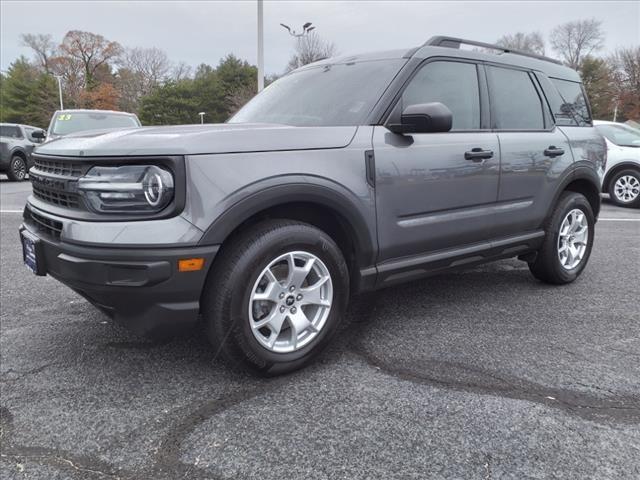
x: 622, y: 176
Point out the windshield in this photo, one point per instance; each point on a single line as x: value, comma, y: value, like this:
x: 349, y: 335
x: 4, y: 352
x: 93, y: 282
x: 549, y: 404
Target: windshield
x: 621, y: 135
x: 327, y: 95
x: 66, y: 123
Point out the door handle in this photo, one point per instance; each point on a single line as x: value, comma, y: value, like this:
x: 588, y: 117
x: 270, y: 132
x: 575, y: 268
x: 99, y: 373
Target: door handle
x: 478, y: 154
x: 553, y: 151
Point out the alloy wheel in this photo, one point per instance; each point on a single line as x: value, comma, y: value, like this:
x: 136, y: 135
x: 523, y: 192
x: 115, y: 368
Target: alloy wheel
x: 290, y: 301
x: 19, y: 168
x: 573, y: 238
x: 627, y: 188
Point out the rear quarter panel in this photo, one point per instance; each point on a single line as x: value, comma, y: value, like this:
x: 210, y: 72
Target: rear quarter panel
x: 588, y: 147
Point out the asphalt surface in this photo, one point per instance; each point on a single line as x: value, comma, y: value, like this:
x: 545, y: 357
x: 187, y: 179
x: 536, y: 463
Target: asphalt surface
x: 480, y: 374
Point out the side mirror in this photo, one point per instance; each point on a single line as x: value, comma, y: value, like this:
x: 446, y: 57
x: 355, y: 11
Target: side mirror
x: 424, y: 118
x: 38, y: 134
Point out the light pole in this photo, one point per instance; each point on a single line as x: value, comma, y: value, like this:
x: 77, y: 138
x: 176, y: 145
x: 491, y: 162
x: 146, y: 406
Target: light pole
x: 59, y: 78
x: 202, y: 114
x: 260, y: 46
x: 306, y: 28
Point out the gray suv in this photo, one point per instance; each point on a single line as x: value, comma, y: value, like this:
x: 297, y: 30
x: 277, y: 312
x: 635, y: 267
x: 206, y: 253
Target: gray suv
x: 16, y: 146
x: 345, y: 176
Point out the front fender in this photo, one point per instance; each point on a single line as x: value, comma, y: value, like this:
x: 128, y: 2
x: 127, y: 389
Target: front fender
x: 356, y: 213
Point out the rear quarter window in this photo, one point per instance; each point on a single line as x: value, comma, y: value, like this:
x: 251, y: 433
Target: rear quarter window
x: 568, y: 103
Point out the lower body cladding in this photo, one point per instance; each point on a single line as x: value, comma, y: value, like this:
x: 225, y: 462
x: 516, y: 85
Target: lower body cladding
x: 140, y: 288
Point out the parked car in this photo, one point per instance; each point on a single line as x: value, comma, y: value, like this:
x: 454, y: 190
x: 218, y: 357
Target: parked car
x: 16, y: 145
x: 65, y: 122
x: 622, y: 176
x: 346, y: 175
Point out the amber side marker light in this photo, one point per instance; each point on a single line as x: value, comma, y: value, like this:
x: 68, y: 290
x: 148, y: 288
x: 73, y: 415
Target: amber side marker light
x: 190, y: 264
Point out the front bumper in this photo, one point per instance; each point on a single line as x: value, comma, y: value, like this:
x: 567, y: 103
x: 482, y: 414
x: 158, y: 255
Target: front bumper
x: 141, y: 288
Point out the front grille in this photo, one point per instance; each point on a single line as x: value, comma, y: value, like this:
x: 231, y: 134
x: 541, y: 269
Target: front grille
x: 59, y: 167
x: 67, y: 200
x: 51, y: 227
x: 55, y: 181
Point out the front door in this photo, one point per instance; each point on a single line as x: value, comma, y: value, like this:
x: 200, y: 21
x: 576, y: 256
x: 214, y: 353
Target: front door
x: 436, y: 191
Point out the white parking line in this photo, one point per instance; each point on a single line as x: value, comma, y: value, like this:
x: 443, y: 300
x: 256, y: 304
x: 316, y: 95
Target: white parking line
x: 619, y: 219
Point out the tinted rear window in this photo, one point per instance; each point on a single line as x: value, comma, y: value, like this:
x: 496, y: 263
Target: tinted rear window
x: 569, y: 104
x: 515, y: 102
x: 10, y: 131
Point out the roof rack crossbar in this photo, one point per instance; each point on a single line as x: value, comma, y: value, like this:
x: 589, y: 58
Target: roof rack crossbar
x: 453, y: 42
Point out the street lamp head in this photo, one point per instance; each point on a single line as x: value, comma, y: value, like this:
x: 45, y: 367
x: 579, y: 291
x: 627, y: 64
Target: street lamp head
x: 310, y: 28
x: 306, y: 25
x: 286, y: 26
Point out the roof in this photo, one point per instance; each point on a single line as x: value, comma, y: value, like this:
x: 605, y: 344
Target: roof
x: 450, y: 47
x: 18, y: 125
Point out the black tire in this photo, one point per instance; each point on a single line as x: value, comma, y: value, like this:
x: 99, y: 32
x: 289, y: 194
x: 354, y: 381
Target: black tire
x: 227, y: 292
x: 17, y: 170
x: 612, y: 184
x: 547, y: 266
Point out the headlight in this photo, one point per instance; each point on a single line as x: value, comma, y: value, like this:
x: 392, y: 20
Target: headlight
x: 127, y: 189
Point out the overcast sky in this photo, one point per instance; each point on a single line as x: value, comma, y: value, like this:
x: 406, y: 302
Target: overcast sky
x: 205, y: 31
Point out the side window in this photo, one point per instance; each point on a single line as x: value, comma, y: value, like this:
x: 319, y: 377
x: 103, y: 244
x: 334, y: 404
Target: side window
x: 453, y: 84
x: 570, y: 102
x: 515, y: 100
x: 10, y: 131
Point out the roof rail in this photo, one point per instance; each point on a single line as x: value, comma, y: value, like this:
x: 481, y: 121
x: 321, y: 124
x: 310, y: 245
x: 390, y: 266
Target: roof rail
x: 453, y: 42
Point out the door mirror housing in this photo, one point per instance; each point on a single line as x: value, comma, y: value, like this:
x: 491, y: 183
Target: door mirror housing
x: 38, y: 134
x: 424, y: 118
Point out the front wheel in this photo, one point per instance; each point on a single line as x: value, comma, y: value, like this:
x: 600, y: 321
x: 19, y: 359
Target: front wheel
x: 17, y: 171
x: 624, y: 188
x: 568, y: 241
x: 276, y: 296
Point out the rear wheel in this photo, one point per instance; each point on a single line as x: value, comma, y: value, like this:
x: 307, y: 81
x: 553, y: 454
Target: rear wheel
x: 568, y: 241
x: 17, y: 171
x: 276, y: 296
x: 624, y: 188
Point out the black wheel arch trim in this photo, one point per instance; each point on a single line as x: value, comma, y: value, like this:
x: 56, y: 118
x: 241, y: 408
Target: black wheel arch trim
x: 328, y: 195
x: 577, y: 172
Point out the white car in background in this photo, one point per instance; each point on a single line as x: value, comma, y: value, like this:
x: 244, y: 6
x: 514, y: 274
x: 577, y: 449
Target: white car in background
x: 622, y: 176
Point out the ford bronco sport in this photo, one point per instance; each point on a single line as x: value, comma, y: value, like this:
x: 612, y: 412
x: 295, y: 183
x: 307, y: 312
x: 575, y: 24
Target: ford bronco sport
x: 346, y: 175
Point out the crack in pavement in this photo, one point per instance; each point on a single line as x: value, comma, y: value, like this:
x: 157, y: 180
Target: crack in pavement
x: 622, y: 409
x: 22, y: 373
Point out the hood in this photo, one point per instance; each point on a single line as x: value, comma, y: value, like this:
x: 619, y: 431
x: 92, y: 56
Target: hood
x: 198, y: 139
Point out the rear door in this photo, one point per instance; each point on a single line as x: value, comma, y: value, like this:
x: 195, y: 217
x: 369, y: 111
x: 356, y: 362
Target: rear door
x: 430, y: 193
x: 534, y: 152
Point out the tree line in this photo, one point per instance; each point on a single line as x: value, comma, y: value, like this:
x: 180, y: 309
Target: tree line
x: 100, y: 73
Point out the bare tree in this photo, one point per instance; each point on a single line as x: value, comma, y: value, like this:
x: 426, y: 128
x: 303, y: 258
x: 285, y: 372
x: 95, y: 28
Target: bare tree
x: 151, y: 64
x: 625, y: 63
x: 181, y: 71
x: 575, y: 40
x: 525, y: 42
x: 309, y: 49
x: 43, y: 46
x: 91, y: 50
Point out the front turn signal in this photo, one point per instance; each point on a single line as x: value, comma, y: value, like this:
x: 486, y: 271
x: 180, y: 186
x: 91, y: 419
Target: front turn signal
x: 190, y: 264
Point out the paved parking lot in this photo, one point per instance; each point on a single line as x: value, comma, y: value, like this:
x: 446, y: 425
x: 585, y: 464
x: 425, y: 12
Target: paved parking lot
x: 478, y: 374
